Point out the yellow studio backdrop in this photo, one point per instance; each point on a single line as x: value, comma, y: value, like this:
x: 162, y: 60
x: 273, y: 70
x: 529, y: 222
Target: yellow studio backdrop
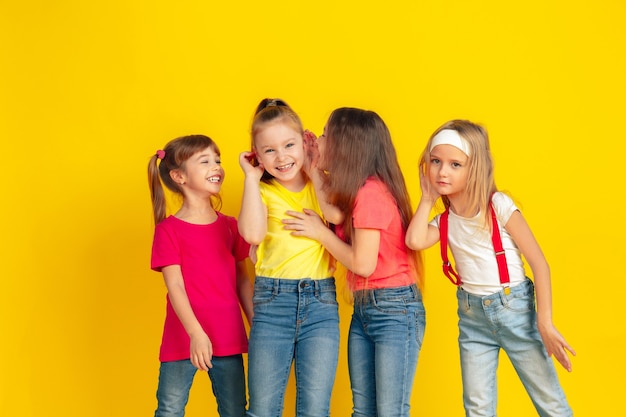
x: 90, y: 90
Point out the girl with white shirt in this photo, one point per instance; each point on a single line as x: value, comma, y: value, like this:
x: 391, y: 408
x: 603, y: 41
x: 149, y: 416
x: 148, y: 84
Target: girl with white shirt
x: 488, y: 235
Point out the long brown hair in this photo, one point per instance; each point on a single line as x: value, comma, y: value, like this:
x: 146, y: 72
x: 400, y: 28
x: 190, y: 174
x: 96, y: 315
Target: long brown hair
x: 359, y: 146
x: 173, y: 157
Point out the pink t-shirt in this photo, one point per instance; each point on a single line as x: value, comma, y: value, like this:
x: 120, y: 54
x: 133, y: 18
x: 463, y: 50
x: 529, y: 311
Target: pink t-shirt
x: 207, y: 255
x: 375, y: 208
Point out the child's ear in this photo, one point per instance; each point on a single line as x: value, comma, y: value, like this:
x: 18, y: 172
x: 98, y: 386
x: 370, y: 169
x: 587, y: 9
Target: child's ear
x: 178, y: 176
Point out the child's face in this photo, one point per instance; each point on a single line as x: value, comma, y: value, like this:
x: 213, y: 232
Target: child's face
x: 280, y: 148
x: 321, y: 147
x: 203, y: 172
x: 448, y: 170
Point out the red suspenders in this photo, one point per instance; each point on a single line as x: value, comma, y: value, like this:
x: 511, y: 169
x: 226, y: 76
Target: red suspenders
x: 443, y: 244
x: 449, y: 271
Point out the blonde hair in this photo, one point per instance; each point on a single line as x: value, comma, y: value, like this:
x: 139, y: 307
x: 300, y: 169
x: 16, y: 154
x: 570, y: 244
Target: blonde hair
x: 273, y: 110
x: 480, y: 180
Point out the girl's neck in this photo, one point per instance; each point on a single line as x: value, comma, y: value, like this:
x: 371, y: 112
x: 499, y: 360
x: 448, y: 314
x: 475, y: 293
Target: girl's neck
x: 459, y: 205
x: 296, y: 184
x: 197, y: 212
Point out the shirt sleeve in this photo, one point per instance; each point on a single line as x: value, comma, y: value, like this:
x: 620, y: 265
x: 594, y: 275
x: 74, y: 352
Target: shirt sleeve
x: 504, y: 207
x: 435, y: 221
x: 240, y: 248
x: 165, y: 248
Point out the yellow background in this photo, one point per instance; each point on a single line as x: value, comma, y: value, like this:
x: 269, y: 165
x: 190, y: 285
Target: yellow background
x: 90, y: 89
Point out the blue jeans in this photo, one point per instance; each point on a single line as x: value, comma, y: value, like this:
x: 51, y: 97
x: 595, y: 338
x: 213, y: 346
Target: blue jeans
x: 227, y: 381
x: 385, y: 339
x: 294, y: 321
x: 498, y: 321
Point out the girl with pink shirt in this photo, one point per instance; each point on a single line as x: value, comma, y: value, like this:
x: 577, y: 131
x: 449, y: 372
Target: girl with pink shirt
x: 202, y: 258
x: 362, y: 178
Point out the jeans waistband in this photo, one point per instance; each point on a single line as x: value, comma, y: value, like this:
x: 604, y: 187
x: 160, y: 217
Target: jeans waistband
x: 295, y: 285
x: 524, y: 287
x: 380, y: 294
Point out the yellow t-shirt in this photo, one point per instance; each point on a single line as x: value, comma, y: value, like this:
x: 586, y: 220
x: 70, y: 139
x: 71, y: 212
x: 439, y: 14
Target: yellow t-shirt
x: 282, y: 255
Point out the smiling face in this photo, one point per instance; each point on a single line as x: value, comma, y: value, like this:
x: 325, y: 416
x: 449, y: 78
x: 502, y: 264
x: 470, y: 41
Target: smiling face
x: 280, y: 149
x: 203, y: 172
x: 448, y: 170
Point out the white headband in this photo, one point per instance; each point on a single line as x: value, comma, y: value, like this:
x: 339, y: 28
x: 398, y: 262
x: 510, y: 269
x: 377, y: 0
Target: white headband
x: 450, y: 137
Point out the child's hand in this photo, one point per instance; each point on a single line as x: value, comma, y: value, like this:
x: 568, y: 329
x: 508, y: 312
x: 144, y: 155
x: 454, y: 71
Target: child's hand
x: 428, y: 191
x: 201, y: 351
x: 246, y: 162
x: 311, y: 151
x: 556, y: 345
x: 309, y: 137
x: 307, y: 223
x: 252, y: 253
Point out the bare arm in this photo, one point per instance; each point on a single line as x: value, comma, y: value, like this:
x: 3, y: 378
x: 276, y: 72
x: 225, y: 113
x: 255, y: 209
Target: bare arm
x: 201, y: 349
x: 421, y: 235
x: 361, y: 257
x: 554, y: 343
x: 252, y: 220
x: 244, y: 289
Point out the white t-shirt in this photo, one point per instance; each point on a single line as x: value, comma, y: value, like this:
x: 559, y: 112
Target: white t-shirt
x: 472, y: 249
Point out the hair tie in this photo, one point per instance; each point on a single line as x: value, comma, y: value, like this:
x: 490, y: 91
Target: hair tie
x: 160, y: 154
x: 276, y: 102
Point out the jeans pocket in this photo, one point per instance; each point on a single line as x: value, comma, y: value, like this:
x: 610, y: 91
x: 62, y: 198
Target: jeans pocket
x: 388, y: 306
x: 327, y: 297
x: 262, y: 295
x: 520, y: 303
x: 420, y: 326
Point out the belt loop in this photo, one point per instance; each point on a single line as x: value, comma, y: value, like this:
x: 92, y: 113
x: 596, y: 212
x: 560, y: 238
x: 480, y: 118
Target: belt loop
x: 503, y: 297
x: 316, y: 283
x: 276, y: 284
x: 465, y: 298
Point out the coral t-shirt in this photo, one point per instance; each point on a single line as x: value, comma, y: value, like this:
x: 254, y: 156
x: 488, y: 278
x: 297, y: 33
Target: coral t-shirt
x: 375, y: 208
x: 207, y: 255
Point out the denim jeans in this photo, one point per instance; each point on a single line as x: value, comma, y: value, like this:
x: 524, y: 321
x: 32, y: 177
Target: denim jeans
x: 227, y: 381
x: 385, y: 339
x: 498, y: 321
x: 295, y: 321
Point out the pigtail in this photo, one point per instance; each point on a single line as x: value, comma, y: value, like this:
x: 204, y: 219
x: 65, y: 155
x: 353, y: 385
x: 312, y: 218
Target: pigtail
x: 156, y: 190
x: 173, y: 157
